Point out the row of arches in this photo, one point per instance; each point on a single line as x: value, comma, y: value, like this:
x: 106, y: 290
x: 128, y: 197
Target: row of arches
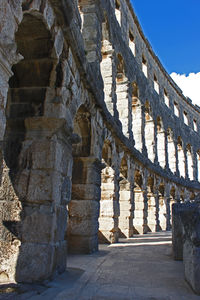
x: 149, y: 135
x: 137, y: 120
x: 126, y: 199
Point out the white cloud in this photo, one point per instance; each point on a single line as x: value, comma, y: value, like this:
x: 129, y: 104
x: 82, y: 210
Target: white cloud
x: 190, y: 85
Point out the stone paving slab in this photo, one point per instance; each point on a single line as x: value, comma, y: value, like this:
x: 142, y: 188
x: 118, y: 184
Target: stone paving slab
x: 140, y: 268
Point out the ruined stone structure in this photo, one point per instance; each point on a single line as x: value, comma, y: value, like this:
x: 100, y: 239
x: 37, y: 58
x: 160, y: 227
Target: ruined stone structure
x: 96, y: 140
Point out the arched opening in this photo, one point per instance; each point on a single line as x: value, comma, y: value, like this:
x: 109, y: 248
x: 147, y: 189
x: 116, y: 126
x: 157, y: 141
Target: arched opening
x: 140, y: 206
x: 171, y: 150
x: 160, y: 142
x: 83, y: 209
x: 125, y: 202
x: 162, y: 207
x: 149, y: 132
x: 152, y: 212
x: 190, y: 162
x: 118, y: 11
x: 109, y: 204
x: 144, y: 66
x: 107, y: 67
x: 136, y: 117
x: 122, y: 95
x: 181, y: 157
x: 166, y: 98
x: 182, y: 196
x: 30, y: 143
x: 132, y: 43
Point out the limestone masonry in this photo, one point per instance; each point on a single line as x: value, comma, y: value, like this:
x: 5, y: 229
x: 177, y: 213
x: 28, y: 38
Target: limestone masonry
x: 96, y: 140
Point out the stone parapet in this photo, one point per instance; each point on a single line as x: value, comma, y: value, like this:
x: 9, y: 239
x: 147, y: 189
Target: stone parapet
x: 186, y: 240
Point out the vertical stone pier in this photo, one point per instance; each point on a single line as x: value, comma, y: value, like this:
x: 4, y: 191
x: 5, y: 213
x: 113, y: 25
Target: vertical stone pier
x: 84, y: 206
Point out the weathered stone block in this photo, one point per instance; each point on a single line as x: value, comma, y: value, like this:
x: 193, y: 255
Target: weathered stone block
x: 81, y: 226
x: 44, y: 186
x: 37, y: 225
x: 83, y: 244
x: 84, y: 208
x: 85, y: 192
x: 39, y: 267
x: 191, y: 260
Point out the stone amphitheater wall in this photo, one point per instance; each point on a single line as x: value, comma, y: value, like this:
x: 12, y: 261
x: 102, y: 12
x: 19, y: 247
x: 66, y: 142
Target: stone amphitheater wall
x: 75, y: 171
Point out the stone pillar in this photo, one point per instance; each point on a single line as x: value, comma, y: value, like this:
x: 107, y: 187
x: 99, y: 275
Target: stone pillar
x: 157, y: 211
x: 126, y: 209
x: 162, y: 213
x: 107, y: 75
x: 84, y: 207
x: 109, y: 206
x: 39, y: 189
x: 151, y: 219
x: 140, y: 212
x: 91, y: 30
x: 123, y: 104
x: 177, y: 231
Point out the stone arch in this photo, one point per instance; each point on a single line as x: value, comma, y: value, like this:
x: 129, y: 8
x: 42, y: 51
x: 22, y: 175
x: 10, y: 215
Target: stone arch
x: 109, y: 205
x: 125, y: 201
x: 83, y: 209
x: 122, y: 95
x: 136, y: 117
x: 171, y: 150
x: 181, y: 157
x: 160, y: 142
x: 29, y: 154
x: 149, y: 132
x: 190, y: 166
x: 152, y: 205
x: 140, y: 203
x: 107, y: 67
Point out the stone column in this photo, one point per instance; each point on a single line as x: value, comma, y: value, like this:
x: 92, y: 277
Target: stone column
x: 126, y: 209
x: 177, y: 231
x: 152, y: 224
x: 162, y: 213
x: 140, y: 212
x: 109, y: 206
x: 123, y: 104
x: 157, y: 211
x: 84, y: 207
x: 40, y: 190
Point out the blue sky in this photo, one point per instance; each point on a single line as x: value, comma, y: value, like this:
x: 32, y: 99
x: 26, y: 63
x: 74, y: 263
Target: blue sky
x: 173, y: 30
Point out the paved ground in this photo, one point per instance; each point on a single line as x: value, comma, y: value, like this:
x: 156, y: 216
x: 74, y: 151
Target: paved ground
x: 140, y: 268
